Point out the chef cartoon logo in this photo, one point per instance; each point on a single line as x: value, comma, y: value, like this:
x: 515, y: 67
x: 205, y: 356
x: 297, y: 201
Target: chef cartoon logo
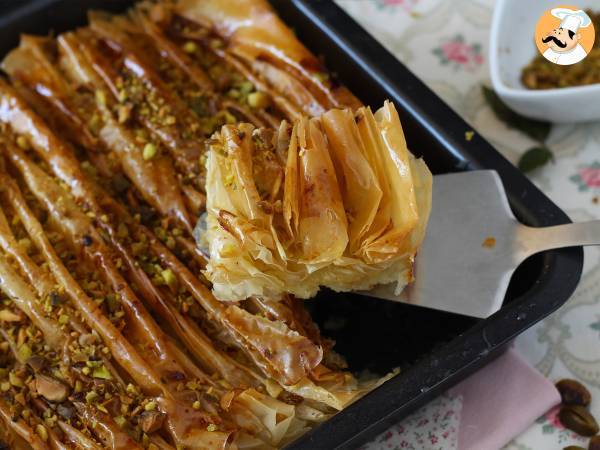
x: 565, y: 35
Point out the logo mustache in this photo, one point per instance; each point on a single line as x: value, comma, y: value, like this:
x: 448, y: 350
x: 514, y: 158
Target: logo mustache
x: 556, y: 41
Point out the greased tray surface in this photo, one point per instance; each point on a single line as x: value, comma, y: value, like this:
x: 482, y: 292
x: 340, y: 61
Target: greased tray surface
x: 434, y: 350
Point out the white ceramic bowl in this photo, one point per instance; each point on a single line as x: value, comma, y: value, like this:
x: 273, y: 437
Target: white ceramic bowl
x: 512, y: 47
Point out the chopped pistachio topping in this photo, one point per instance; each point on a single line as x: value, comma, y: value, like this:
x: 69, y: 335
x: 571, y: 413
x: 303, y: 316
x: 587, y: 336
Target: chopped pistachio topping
x: 102, y: 408
x: 101, y: 97
x: 41, y: 432
x: 22, y: 142
x: 246, y: 87
x: 149, y: 151
x: 190, y: 47
x: 15, y: 380
x: 258, y: 99
x: 150, y: 406
x: 121, y: 421
x: 169, y: 277
x: 25, y: 352
x: 122, y: 96
x: 102, y: 372
x: 321, y: 76
x: 91, y: 396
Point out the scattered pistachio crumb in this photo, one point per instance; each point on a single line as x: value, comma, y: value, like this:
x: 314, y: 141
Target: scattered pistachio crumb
x: 122, y: 230
x: 22, y: 142
x: 102, y: 372
x: 41, y: 432
x: 258, y: 100
x: 246, y: 87
x: 469, y: 135
x: 91, y: 396
x: 150, y: 406
x: 211, y: 427
x: 120, y: 421
x: 321, y: 76
x: 101, y: 97
x: 216, y: 43
x: 196, y: 405
x: 25, y: 352
x: 149, y: 151
x: 102, y: 408
x: 229, y: 178
x: 171, y: 242
x: 229, y: 118
x: 190, y: 47
x: 124, y: 113
x: 169, y: 277
x: 15, y: 380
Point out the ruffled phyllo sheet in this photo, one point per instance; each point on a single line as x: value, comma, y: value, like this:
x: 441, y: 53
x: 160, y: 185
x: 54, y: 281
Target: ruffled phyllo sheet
x: 335, y: 200
x: 110, y: 336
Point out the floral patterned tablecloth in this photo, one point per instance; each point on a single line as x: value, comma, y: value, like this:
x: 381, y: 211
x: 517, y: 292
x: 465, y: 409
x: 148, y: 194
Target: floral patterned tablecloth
x: 445, y: 43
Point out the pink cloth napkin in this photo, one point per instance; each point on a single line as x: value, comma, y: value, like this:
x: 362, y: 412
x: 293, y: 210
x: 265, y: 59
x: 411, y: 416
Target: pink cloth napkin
x: 483, y: 412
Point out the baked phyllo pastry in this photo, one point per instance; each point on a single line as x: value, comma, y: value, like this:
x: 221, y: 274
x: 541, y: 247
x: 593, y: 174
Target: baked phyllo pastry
x: 110, y: 336
x: 336, y: 200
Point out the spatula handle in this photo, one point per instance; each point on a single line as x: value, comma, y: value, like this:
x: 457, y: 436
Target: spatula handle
x: 535, y: 240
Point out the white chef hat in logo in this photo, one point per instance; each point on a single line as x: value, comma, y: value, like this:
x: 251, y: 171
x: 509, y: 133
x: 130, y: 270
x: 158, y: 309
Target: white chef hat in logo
x: 572, y: 20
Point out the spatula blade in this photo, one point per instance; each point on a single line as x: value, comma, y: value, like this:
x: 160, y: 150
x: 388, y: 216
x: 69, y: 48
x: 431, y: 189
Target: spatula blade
x: 469, y: 253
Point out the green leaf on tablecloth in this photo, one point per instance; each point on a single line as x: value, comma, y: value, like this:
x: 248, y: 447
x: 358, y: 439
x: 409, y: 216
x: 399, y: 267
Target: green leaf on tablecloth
x: 536, y: 129
x: 548, y: 429
x: 581, y: 186
x: 540, y: 420
x: 534, y: 158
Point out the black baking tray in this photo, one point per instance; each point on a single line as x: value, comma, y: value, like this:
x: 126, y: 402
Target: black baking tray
x: 433, y: 349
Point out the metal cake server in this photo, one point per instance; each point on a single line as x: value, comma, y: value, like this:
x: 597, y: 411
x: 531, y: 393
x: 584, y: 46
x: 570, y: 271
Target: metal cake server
x: 473, y: 245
